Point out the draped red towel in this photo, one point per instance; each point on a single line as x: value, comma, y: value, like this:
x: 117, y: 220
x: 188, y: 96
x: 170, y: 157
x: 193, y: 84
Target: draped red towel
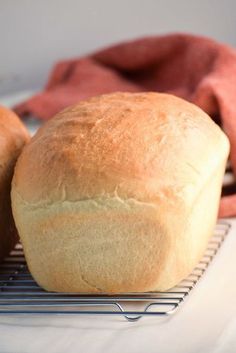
x: 195, y: 68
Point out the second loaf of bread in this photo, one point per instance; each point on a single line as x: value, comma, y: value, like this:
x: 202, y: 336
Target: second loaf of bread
x: 119, y: 193
x: 13, y: 137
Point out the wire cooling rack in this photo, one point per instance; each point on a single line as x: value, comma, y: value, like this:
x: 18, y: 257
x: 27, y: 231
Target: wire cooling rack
x: 19, y: 293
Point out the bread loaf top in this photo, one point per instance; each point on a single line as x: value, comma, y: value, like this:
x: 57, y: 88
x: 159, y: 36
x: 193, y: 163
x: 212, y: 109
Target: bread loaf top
x: 144, y: 146
x: 13, y: 135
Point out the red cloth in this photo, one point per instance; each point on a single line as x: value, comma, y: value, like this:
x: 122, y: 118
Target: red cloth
x: 195, y: 68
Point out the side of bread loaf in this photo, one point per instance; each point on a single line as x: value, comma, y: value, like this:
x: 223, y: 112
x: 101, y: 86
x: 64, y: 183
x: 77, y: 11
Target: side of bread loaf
x: 13, y: 136
x: 119, y: 193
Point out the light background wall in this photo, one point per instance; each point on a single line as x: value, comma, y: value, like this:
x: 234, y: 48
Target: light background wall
x: 36, y: 33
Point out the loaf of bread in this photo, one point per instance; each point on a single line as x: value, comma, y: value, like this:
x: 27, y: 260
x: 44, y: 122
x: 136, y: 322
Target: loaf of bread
x: 13, y: 136
x: 119, y: 193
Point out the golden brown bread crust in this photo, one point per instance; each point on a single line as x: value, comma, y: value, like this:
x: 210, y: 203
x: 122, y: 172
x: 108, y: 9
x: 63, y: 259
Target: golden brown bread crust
x: 110, y: 195
x: 13, y: 136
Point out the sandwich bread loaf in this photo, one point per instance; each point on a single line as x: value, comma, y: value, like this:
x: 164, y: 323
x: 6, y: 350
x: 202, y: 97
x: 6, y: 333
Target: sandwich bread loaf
x: 119, y: 193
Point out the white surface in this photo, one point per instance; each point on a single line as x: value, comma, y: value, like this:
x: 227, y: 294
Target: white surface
x: 35, y: 34
x: 206, y: 323
x: 11, y: 99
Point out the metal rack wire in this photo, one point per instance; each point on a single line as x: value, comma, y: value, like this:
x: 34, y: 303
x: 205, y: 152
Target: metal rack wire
x: 19, y: 293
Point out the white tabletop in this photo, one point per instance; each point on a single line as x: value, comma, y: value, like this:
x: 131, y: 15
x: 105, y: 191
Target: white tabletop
x: 206, y: 322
